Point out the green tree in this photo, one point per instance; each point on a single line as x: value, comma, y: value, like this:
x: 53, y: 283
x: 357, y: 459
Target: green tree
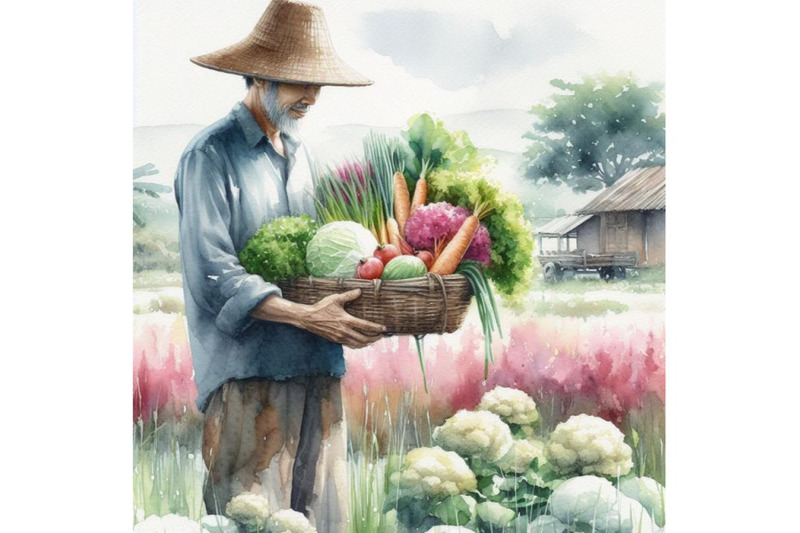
x: 596, y: 131
x: 153, y: 190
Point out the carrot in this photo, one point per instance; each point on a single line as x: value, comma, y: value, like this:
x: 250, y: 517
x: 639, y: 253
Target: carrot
x: 420, y: 194
x: 393, y: 231
x: 405, y: 248
x: 384, y: 230
x: 449, y: 259
x: 401, y: 201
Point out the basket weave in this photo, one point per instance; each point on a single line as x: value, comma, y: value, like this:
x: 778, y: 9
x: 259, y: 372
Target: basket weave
x: 416, y: 306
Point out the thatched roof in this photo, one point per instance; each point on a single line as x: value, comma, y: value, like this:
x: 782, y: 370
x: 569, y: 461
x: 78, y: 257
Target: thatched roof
x: 642, y: 189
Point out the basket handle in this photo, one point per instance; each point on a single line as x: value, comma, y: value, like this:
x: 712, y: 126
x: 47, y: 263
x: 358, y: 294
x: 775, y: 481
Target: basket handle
x: 438, y: 278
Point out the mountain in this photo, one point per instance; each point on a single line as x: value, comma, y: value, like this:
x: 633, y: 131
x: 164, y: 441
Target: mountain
x: 496, y: 132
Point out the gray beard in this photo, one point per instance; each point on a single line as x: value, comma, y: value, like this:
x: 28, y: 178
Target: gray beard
x: 280, y: 118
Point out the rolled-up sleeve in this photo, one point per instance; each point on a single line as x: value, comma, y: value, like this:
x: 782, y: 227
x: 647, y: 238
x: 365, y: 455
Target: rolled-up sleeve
x: 215, y: 278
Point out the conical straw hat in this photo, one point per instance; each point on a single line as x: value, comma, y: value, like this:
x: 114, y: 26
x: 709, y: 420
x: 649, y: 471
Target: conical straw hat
x: 289, y: 44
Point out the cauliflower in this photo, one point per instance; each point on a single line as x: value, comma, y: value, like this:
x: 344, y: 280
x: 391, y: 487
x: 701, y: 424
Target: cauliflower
x: 521, y: 455
x: 475, y: 434
x: 546, y: 524
x: 434, y: 472
x: 249, y: 509
x: 648, y: 492
x: 170, y: 523
x: 593, y: 502
x: 215, y: 523
x: 495, y: 514
x: 449, y: 529
x: 588, y: 445
x: 512, y: 405
x: 289, y: 521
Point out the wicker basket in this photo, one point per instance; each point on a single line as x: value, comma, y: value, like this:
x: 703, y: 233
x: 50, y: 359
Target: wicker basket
x: 416, y: 306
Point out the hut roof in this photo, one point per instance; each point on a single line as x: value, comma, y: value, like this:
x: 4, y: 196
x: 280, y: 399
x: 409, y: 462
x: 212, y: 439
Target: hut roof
x: 641, y: 189
x: 562, y: 225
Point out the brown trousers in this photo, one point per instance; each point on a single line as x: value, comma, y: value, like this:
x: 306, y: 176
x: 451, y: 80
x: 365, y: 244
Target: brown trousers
x: 285, y: 440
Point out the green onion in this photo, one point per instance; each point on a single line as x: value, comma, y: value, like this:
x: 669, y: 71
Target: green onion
x: 487, y: 308
x: 418, y: 340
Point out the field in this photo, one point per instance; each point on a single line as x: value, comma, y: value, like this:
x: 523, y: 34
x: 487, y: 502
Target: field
x: 583, y: 346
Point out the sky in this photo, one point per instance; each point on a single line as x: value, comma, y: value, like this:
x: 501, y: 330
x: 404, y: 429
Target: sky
x: 444, y: 57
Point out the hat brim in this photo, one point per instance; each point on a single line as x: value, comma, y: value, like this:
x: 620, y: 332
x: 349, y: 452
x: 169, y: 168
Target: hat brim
x: 248, y: 58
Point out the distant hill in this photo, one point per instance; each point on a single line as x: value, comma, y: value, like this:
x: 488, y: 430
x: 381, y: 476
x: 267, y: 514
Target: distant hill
x: 162, y: 146
x: 496, y: 132
x: 500, y: 129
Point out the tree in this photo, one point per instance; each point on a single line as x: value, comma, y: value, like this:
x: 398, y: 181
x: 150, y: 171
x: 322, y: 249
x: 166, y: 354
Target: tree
x: 150, y: 189
x: 596, y: 131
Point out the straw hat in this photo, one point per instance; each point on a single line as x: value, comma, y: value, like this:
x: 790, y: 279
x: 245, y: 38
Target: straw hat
x: 289, y: 44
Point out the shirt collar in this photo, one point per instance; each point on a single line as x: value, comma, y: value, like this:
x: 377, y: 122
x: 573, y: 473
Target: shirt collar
x: 253, y: 132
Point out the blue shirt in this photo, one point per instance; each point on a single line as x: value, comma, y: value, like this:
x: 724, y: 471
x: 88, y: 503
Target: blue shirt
x: 229, y: 182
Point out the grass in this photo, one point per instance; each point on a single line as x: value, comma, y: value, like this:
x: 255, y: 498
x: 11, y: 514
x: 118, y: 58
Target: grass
x: 154, y: 279
x: 578, y: 307
x: 643, y: 280
x: 168, y: 471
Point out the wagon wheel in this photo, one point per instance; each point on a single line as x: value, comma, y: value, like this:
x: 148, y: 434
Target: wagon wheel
x: 552, y: 273
x: 607, y: 273
x: 620, y: 273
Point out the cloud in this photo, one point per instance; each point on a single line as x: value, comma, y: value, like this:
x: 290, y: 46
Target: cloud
x: 458, y: 51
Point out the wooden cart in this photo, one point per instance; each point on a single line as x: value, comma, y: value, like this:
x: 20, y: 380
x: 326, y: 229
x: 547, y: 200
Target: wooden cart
x: 609, y: 265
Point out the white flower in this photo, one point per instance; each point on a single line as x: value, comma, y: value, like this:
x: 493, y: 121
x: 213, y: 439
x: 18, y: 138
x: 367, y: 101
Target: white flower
x: 434, y: 472
x: 593, y: 502
x: 588, y: 445
x: 170, y: 523
x: 512, y: 405
x: 475, y: 434
x: 521, y: 455
x: 289, y: 521
x: 249, y: 509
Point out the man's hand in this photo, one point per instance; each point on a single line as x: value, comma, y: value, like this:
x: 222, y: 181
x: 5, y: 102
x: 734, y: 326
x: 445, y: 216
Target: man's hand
x: 326, y: 318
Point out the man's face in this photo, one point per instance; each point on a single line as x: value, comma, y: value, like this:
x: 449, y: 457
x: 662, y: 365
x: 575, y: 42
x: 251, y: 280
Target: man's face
x: 286, y: 103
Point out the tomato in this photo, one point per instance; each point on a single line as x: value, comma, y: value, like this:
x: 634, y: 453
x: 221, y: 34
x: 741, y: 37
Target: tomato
x: 426, y: 257
x: 369, y: 268
x: 386, y: 253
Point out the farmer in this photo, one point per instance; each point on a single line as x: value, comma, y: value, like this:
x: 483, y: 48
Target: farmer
x: 267, y: 370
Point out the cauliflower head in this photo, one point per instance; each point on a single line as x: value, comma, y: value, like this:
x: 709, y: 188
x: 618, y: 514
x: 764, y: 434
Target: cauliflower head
x: 475, y: 434
x: 512, y: 405
x: 587, y: 444
x: 434, y: 472
x: 521, y: 455
x: 167, y: 523
x: 289, y: 521
x: 593, y: 502
x: 249, y: 509
x: 215, y: 523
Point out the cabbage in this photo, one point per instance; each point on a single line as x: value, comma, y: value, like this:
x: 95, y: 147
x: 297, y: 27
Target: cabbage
x: 336, y: 249
x: 404, y: 267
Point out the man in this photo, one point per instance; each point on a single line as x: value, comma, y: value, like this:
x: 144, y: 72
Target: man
x: 267, y: 369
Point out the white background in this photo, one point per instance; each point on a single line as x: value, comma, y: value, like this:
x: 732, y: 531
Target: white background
x: 732, y: 317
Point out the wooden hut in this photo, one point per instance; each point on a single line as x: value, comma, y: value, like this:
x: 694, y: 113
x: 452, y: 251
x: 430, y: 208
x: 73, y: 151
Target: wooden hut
x: 629, y: 216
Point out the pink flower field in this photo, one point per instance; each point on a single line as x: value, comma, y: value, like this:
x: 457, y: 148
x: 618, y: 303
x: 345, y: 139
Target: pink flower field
x: 566, y: 365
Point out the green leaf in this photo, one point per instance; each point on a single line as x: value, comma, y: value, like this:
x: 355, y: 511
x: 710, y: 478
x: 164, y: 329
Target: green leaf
x: 412, y: 512
x: 455, y: 510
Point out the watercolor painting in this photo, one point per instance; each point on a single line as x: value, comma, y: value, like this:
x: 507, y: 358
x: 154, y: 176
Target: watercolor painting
x: 399, y: 266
